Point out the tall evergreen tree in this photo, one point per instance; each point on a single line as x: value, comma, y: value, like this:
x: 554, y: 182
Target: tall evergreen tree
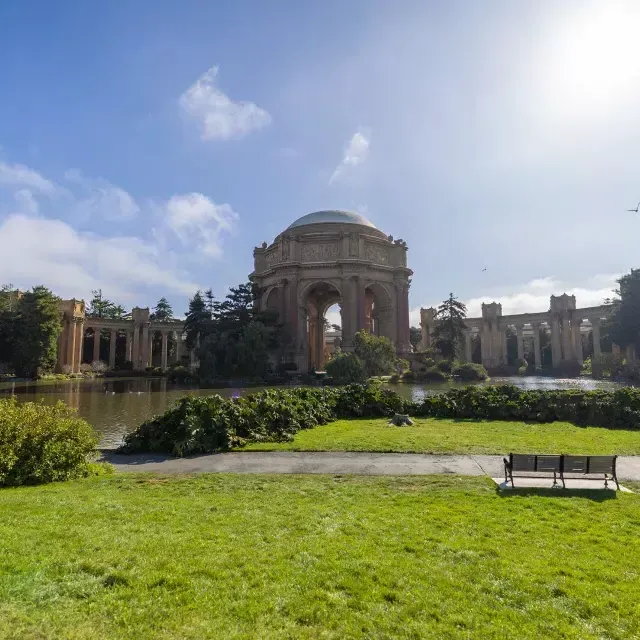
x: 37, y: 327
x: 163, y: 311
x: 623, y: 327
x: 448, y: 332
x: 197, y: 320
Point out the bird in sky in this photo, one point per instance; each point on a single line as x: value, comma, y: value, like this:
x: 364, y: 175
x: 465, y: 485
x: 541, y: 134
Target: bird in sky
x: 484, y: 269
x: 636, y: 209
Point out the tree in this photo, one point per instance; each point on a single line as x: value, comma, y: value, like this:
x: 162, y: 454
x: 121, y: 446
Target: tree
x: 196, y: 321
x: 415, y: 337
x: 377, y: 354
x: 448, y: 332
x: 162, y: 311
x: 101, y: 307
x: 37, y: 326
x: 623, y: 327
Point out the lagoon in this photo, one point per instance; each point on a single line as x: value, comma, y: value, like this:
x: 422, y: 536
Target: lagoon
x: 117, y: 406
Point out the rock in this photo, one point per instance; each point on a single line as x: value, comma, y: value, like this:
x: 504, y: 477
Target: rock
x: 400, y: 420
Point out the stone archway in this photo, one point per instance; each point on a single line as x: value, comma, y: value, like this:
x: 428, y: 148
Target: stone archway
x: 317, y: 298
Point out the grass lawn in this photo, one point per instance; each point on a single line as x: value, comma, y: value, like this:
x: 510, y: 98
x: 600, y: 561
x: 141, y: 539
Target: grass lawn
x: 224, y: 556
x: 459, y: 436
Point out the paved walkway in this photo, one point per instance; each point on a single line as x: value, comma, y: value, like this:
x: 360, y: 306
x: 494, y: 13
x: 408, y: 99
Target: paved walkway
x: 354, y: 463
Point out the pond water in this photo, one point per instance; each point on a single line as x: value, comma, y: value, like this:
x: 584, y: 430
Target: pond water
x: 116, y: 407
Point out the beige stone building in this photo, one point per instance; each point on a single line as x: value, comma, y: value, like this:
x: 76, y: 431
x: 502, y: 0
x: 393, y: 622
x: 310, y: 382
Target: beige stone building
x: 327, y: 258
x: 564, y: 320
x: 80, y: 340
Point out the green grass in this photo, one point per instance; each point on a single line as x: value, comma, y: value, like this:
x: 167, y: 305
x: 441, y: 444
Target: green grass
x: 459, y: 436
x: 224, y: 556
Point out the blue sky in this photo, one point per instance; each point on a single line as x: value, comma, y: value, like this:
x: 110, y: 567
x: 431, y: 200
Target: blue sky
x: 147, y: 147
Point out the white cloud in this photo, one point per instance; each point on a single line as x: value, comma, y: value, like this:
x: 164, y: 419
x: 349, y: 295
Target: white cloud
x: 25, y: 201
x: 98, y: 197
x: 355, y: 153
x: 35, y: 250
x: 198, y: 222
x: 20, y: 176
x: 534, y: 296
x: 220, y: 117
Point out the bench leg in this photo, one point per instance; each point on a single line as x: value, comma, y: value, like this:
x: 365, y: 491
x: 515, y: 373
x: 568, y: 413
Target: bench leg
x: 615, y: 479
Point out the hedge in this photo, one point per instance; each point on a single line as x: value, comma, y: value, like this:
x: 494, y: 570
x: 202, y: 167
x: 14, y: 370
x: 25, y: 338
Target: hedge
x: 210, y: 424
x: 41, y: 443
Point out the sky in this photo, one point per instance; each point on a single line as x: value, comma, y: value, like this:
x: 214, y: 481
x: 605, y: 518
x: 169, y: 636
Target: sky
x: 147, y: 147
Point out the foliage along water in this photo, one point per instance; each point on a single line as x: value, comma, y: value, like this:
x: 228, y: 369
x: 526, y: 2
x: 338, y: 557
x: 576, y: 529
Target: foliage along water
x: 116, y: 407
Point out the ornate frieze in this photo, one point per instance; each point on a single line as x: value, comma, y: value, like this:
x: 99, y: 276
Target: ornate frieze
x: 376, y: 253
x: 319, y: 252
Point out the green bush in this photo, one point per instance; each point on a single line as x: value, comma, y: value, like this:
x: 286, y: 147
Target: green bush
x: 470, y: 371
x: 212, y: 423
x: 445, y: 366
x: 41, y: 443
x: 408, y: 376
x: 395, y: 378
x: 346, y: 368
x: 434, y: 374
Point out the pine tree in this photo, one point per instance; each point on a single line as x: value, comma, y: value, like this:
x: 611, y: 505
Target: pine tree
x: 162, y: 311
x: 623, y: 328
x: 448, y: 332
x: 197, y: 320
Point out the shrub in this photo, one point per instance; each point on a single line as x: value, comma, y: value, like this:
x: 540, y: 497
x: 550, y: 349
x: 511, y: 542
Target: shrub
x: 98, y: 366
x: 209, y: 424
x: 395, y: 378
x: 445, y: 366
x: 434, y: 374
x: 408, y: 376
x: 346, y: 368
x: 41, y: 443
x: 470, y: 371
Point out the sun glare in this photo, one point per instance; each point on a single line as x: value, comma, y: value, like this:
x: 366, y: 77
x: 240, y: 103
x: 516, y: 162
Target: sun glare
x: 592, y: 61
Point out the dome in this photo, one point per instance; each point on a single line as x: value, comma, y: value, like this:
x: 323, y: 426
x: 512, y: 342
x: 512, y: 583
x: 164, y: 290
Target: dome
x: 340, y: 217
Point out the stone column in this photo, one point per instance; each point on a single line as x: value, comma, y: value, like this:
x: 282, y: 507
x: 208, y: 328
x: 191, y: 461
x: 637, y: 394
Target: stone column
x: 178, y: 337
x: 503, y: 345
x: 163, y: 360
x: 112, y: 348
x: 145, y: 346
x: 151, y: 336
x: 467, y: 345
x: 71, y: 341
x: 96, y: 345
x: 567, y: 341
x: 347, y: 314
x: 520, y: 342
x: 485, y: 345
x: 556, y: 349
x: 360, y: 304
x: 595, y: 334
x: 537, y: 355
x: 135, y: 354
x: 127, y: 347
x: 79, y: 345
x: 577, y: 340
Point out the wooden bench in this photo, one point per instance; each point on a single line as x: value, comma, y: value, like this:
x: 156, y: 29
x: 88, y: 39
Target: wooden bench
x: 560, y: 464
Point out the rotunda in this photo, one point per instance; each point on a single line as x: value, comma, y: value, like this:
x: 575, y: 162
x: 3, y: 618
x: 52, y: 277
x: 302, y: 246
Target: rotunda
x: 334, y: 257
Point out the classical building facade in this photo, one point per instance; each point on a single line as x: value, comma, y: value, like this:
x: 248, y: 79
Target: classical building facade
x: 564, y: 320
x: 80, y: 340
x: 327, y: 258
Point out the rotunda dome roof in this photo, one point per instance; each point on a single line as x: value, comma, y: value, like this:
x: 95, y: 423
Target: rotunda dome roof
x: 334, y: 216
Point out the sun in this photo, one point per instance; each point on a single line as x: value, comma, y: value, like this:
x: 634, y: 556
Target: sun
x: 591, y: 59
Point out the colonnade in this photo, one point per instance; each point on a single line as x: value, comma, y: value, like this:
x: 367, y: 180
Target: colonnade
x: 138, y: 333
x: 564, y: 321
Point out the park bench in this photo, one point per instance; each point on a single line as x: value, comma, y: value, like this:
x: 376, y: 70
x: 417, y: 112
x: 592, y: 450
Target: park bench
x: 560, y: 465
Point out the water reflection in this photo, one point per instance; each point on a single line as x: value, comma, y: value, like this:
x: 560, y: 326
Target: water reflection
x: 115, y: 407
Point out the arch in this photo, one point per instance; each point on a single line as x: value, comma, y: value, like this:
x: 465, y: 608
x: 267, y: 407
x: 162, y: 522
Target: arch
x: 379, y: 316
x: 317, y: 297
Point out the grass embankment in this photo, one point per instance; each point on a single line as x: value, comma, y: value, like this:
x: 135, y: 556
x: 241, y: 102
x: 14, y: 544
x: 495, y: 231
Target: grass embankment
x: 223, y: 556
x: 429, y: 435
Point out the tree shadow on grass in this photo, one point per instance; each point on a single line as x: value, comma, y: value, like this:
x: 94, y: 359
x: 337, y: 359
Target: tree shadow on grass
x: 596, y: 495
